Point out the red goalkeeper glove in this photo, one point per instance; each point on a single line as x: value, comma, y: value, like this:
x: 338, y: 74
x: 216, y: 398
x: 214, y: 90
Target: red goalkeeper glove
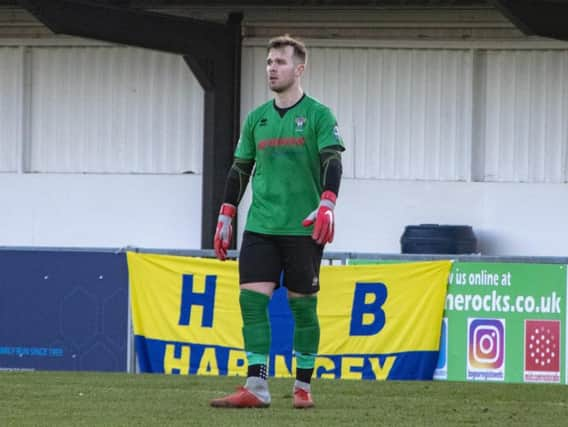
x: 323, y: 218
x: 224, y: 231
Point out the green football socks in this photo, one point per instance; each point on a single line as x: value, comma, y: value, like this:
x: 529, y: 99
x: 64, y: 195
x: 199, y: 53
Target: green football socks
x: 306, y: 330
x: 256, y: 331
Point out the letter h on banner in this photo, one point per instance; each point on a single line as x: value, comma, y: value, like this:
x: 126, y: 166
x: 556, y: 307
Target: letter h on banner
x: 190, y: 298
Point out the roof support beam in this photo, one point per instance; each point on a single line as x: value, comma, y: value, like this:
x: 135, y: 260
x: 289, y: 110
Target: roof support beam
x: 211, y: 50
x: 546, y: 18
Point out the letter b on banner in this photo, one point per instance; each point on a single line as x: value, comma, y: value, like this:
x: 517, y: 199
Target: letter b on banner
x: 368, y: 300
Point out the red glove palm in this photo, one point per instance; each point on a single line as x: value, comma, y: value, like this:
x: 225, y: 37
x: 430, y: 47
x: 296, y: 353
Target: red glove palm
x: 323, y: 218
x: 224, y: 231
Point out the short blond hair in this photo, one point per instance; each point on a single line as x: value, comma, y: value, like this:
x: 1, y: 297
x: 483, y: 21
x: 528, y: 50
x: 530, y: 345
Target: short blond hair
x: 300, y: 51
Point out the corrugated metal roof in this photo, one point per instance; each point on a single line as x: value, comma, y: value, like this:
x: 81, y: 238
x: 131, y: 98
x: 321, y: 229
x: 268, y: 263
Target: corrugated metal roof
x: 524, y: 104
x: 114, y: 109
x: 404, y: 113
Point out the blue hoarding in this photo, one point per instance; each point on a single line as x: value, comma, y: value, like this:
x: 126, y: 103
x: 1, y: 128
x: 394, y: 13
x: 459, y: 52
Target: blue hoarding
x: 63, y: 310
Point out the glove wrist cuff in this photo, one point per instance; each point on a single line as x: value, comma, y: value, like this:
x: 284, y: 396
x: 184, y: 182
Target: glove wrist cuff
x: 329, y: 195
x: 228, y: 209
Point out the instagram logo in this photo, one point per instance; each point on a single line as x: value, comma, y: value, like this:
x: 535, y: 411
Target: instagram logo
x: 486, y: 348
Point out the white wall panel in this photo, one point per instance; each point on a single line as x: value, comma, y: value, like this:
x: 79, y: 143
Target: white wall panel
x: 114, y: 109
x: 524, y: 123
x: 504, y: 222
x: 11, y: 59
x: 404, y: 113
x: 96, y: 210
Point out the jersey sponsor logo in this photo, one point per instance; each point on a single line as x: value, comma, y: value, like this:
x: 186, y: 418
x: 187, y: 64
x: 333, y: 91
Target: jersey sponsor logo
x: 279, y: 142
x: 300, y: 123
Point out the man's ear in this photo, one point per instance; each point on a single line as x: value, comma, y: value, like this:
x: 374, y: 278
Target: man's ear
x: 300, y: 69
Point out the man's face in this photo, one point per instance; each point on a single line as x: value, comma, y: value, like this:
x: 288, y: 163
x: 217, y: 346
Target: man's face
x: 281, y: 70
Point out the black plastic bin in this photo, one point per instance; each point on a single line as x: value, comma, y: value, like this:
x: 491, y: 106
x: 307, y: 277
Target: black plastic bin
x: 438, y: 239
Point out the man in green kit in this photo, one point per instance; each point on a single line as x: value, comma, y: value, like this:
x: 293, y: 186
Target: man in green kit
x: 294, y: 146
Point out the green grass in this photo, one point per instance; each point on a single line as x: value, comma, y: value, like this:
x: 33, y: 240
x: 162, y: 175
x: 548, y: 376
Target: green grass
x: 105, y: 399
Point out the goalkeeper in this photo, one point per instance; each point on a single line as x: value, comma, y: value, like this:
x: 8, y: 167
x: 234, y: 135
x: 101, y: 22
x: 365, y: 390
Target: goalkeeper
x: 294, y: 145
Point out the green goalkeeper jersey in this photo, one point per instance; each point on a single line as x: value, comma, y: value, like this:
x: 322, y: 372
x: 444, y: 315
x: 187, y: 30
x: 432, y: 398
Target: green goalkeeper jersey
x: 286, y: 184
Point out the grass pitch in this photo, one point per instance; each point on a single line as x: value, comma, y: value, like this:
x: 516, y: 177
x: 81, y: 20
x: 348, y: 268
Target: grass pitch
x: 111, y: 399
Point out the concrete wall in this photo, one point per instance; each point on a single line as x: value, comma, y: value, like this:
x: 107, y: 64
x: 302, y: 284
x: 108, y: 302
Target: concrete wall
x: 164, y: 211
x: 508, y: 219
x: 156, y: 211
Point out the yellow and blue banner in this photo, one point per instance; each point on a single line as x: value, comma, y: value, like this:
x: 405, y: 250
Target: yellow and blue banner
x: 377, y: 321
